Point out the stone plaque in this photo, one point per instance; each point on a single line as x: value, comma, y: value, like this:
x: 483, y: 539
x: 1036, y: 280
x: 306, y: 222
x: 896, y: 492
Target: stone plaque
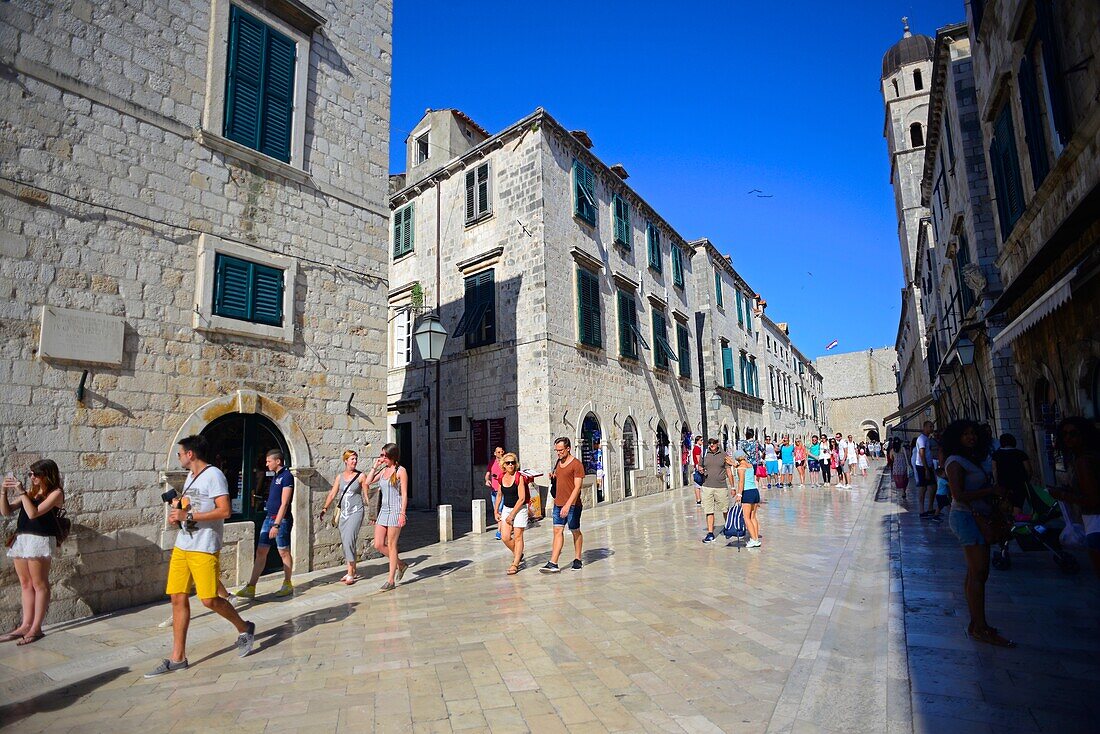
x: 69, y: 335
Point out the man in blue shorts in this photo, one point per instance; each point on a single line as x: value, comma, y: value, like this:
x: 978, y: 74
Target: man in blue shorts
x: 568, y: 475
x: 786, y: 463
x: 276, y: 527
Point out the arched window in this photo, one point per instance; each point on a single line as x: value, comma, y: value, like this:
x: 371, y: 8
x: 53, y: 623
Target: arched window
x: 897, y: 92
x: 918, y: 79
x: 916, y: 134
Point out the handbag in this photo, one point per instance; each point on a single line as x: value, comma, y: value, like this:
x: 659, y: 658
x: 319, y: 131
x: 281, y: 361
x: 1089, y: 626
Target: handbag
x: 339, y: 503
x: 992, y: 518
x: 64, y: 525
x: 698, y: 477
x: 761, y: 470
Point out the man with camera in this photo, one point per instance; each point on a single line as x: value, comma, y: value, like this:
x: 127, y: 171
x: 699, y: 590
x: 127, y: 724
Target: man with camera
x: 200, y: 511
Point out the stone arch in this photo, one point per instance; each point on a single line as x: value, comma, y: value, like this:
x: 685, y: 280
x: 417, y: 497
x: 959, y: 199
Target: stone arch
x: 867, y: 426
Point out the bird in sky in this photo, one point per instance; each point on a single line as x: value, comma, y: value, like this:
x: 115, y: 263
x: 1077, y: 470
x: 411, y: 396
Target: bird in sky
x: 756, y: 191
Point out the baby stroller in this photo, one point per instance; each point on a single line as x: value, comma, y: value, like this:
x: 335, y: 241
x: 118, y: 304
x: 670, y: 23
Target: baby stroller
x: 1039, y: 532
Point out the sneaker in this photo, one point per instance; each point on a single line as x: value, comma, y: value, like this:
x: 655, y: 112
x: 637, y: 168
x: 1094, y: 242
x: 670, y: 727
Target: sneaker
x: 698, y: 502
x: 576, y: 564
x: 550, y: 568
x: 709, y: 538
x: 167, y: 666
x: 287, y: 589
x: 925, y: 515
x: 246, y: 592
x: 246, y: 640
x: 498, y: 535
x: 388, y: 586
x: 753, y: 544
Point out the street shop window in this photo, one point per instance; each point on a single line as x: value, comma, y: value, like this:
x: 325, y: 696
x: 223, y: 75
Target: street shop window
x: 630, y: 338
x: 620, y: 214
x: 423, y: 147
x: 727, y: 364
x: 663, y: 355
x: 403, y: 236
x: 584, y: 193
x: 478, y: 194
x: 677, y: 266
x: 1005, y: 167
x: 589, y: 326
x: 653, y: 246
x: 683, y: 351
x: 479, y: 319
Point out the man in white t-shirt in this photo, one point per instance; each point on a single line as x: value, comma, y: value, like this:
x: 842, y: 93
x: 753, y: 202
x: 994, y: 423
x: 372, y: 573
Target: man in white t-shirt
x: 844, y: 478
x: 200, y: 513
x: 926, y: 475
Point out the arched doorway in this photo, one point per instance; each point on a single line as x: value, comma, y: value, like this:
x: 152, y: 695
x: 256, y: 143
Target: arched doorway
x: 630, y: 456
x: 663, y: 460
x: 725, y: 439
x: 869, y: 429
x: 592, y: 452
x: 685, y: 452
x: 240, y: 442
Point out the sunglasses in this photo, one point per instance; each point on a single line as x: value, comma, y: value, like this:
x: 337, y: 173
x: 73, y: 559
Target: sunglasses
x: 506, y: 463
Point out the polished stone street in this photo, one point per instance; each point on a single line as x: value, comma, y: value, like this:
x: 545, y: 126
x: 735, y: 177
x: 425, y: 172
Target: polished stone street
x: 850, y: 618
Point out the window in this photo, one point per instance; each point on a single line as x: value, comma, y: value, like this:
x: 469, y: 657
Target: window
x: 918, y: 80
x: 743, y: 363
x: 683, y: 353
x: 479, y: 319
x: 454, y: 424
x: 478, y: 204
x: 897, y: 92
x: 727, y: 364
x: 677, y: 266
x: 403, y: 231
x: 259, y: 85
x: 771, y: 382
x: 950, y: 142
x: 589, y: 328
x: 1005, y: 167
x: 653, y: 245
x: 718, y: 287
x: 962, y: 259
x: 423, y: 147
x: 248, y: 291
x: 402, y: 337
x: 754, y: 378
x: 629, y: 337
x: 662, y: 351
x: 1034, y: 134
x: 584, y: 193
x: 1054, y: 76
x: 740, y: 308
x: 620, y: 213
x: 916, y: 134
x: 748, y: 314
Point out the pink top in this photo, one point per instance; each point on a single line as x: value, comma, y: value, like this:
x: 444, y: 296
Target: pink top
x: 799, y: 453
x: 495, y: 473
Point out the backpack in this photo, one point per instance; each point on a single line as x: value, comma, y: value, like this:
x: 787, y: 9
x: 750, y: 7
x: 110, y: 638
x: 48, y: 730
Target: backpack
x: 735, y: 522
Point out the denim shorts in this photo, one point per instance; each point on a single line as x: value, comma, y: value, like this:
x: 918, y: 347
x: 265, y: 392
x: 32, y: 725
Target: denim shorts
x: 786, y: 469
x: 965, y: 527
x: 282, y: 538
x: 750, y: 497
x: 572, y: 520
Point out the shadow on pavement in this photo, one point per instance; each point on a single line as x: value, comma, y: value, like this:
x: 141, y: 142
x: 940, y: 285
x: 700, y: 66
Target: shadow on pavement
x: 268, y: 638
x: 58, y: 699
x: 437, y: 571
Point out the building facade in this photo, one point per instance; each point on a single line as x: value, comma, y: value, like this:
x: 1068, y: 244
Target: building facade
x: 906, y: 74
x: 861, y: 390
x: 957, y: 251
x: 572, y: 308
x: 1037, y: 78
x: 195, y: 230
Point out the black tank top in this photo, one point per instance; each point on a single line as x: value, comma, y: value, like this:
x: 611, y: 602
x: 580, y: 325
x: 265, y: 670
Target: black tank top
x: 45, y: 525
x: 510, y: 494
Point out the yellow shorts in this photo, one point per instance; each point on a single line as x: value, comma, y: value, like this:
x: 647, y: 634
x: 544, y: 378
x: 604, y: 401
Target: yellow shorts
x: 188, y: 566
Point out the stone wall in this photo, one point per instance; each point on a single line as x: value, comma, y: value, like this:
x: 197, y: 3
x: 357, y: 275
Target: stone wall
x: 859, y: 387
x: 108, y: 192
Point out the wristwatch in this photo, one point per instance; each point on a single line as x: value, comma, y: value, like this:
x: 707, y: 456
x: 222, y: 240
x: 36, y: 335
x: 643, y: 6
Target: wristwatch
x: 190, y: 516
x: 276, y: 524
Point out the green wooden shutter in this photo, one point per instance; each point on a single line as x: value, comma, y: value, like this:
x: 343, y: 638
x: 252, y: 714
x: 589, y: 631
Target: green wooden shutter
x: 584, y: 193
x: 403, y: 236
x: 1055, y: 75
x: 653, y: 244
x: 480, y: 309
x: 484, y: 206
x: 727, y: 366
x: 588, y: 307
x: 1034, y: 135
x: 244, y: 78
x: 232, y: 287
x: 718, y: 287
x: 267, y: 295
x: 628, y: 322
x: 660, y: 340
x: 471, y: 196
x: 677, y: 267
x: 740, y: 308
x: 278, y: 96
x: 1006, y: 172
x: 748, y: 314
x: 683, y: 353
x: 621, y: 208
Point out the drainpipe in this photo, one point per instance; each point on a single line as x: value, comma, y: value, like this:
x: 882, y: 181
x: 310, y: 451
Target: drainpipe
x: 438, y: 392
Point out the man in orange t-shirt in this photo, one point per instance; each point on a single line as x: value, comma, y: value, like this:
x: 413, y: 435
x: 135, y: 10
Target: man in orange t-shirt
x: 568, y: 474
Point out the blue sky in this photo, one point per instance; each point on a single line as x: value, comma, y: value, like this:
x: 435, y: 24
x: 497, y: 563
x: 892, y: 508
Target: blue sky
x: 702, y: 102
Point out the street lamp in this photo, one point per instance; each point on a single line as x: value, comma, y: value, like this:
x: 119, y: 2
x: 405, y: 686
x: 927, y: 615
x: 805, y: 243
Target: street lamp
x: 777, y: 414
x: 430, y: 337
x: 965, y: 349
x: 714, y: 402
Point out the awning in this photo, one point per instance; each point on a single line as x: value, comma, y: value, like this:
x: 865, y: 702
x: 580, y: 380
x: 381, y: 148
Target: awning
x: 1055, y: 296
x: 910, y: 410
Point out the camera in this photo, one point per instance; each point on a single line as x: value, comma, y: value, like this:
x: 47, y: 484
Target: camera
x: 168, y: 496
x: 173, y: 499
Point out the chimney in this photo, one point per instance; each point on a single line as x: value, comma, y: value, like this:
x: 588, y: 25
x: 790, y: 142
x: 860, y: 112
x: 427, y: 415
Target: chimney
x: 582, y: 138
x: 620, y: 171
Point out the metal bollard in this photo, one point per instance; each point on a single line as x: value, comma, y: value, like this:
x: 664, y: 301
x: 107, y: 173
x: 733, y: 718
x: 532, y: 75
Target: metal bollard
x: 477, y: 507
x: 446, y: 524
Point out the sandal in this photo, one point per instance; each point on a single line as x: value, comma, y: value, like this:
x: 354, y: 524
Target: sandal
x: 401, y: 569
x: 345, y: 578
x: 513, y: 569
x: 11, y: 637
x: 990, y: 637
x: 351, y: 579
x: 28, y: 639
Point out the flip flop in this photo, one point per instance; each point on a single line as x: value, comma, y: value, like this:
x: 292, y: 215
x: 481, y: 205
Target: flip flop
x: 28, y: 639
x: 11, y: 636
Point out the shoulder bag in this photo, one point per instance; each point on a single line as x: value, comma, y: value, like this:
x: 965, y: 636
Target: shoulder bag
x: 990, y: 514
x: 340, y: 502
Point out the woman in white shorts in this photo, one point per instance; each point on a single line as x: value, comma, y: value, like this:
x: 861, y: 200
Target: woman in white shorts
x: 512, y: 516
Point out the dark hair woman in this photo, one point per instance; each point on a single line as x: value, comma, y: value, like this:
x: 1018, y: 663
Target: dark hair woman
x: 969, y: 483
x: 393, y: 483
x: 898, y: 460
x: 1080, y: 441
x: 31, y: 548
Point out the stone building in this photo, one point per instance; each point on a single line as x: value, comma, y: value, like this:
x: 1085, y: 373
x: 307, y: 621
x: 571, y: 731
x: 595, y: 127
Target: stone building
x: 906, y: 73
x: 573, y: 308
x: 957, y: 250
x: 794, y: 400
x: 1037, y: 77
x: 861, y: 391
x: 194, y: 241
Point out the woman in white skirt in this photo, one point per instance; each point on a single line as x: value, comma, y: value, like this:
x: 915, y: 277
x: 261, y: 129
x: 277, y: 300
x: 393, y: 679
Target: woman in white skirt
x: 348, y: 491
x: 31, y: 549
x: 512, y: 516
x: 393, y: 482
